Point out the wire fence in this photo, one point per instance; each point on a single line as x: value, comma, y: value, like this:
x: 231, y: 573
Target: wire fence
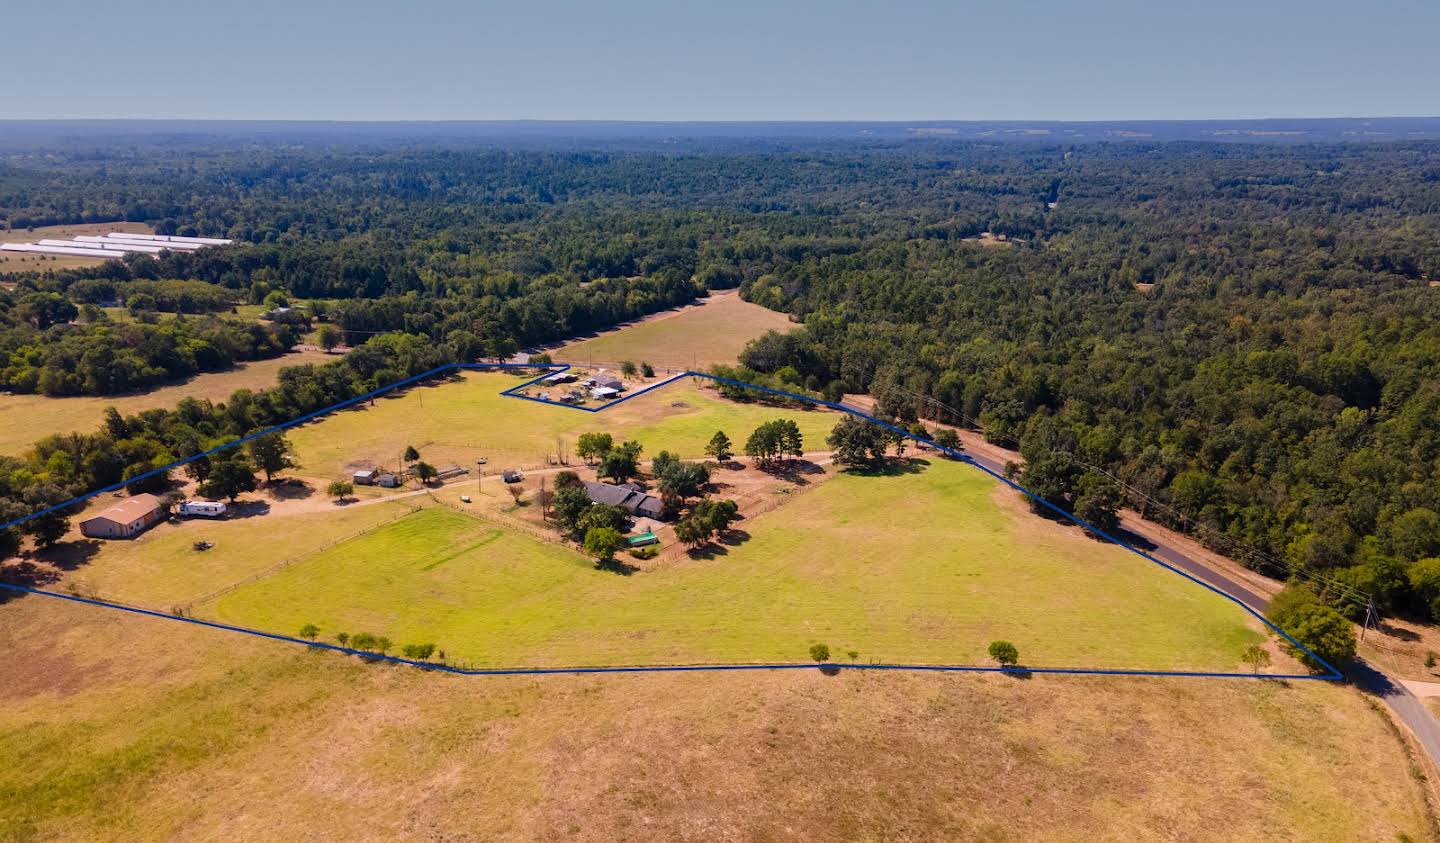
x: 186, y: 608
x: 1248, y: 555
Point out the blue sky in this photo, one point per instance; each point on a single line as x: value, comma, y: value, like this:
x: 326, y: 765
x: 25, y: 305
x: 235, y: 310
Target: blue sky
x: 721, y: 60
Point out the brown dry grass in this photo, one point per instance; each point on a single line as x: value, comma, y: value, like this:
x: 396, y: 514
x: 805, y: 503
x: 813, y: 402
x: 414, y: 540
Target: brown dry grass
x: 25, y: 419
x: 713, y: 331
x: 137, y: 729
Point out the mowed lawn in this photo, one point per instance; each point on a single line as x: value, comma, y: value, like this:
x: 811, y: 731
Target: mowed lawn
x: 696, y: 337
x: 922, y: 567
x: 25, y: 419
x: 459, y: 421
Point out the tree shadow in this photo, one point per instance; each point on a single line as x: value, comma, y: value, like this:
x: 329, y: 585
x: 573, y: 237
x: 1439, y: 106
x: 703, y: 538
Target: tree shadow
x: 792, y: 471
x: 1017, y: 671
x: 289, y: 489
x: 733, y: 537
x: 1133, y: 539
x: 828, y: 669
x: 1399, y: 632
x: 893, y: 467
x: 616, y: 566
x: 68, y: 556
x: 709, y: 550
x: 26, y: 574
x: 248, y: 509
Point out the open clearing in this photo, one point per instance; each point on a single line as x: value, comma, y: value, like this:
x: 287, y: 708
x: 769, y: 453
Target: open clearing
x: 136, y: 729
x: 459, y: 420
x: 24, y: 419
x: 694, y: 337
x: 34, y: 262
x: 919, y: 567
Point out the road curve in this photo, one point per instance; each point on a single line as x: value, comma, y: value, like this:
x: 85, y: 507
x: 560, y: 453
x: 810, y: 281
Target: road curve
x: 1411, y: 711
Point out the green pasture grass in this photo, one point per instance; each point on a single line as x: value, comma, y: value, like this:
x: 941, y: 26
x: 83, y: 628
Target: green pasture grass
x: 911, y: 567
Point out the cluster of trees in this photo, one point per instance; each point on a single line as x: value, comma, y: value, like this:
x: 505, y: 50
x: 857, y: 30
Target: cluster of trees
x: 41, y: 351
x: 775, y: 439
x: 616, y: 462
x: 168, y: 295
x: 857, y: 442
x: 1299, y: 611
x: 599, y: 528
x: 706, y: 520
x: 59, y: 467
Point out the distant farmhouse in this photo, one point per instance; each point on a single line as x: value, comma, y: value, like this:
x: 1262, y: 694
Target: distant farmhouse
x: 126, y: 519
x: 635, y: 500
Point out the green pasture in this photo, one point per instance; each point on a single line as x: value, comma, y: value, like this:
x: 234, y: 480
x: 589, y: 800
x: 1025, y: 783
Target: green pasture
x: 926, y: 566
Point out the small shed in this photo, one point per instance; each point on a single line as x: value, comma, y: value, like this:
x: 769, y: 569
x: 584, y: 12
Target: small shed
x: 365, y: 477
x: 642, y: 539
x: 387, y: 481
x: 608, y: 382
x: 604, y: 392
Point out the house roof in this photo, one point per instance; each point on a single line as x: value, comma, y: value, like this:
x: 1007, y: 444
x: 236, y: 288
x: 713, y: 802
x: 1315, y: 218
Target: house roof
x: 130, y: 509
x: 629, y: 496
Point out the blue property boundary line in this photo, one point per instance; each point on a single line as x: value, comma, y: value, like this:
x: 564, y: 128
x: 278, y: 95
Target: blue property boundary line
x: 550, y: 369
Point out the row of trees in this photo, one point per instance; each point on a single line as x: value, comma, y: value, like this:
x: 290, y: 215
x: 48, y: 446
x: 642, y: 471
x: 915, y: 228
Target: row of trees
x: 61, y: 466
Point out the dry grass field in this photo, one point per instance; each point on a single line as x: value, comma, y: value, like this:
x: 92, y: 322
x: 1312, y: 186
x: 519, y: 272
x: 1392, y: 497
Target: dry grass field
x: 134, y: 729
x: 27, y: 418
x: 122, y: 727
x: 34, y: 262
x: 694, y: 337
x: 459, y: 420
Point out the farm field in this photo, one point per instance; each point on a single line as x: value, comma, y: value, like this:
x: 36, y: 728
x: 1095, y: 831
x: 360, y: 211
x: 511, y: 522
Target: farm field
x: 921, y: 566
x: 33, y: 262
x: 24, y: 419
x: 125, y: 728
x: 161, y: 569
x: 693, y: 338
x: 460, y: 420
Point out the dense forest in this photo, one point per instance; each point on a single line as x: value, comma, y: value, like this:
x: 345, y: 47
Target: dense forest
x: 1240, y: 341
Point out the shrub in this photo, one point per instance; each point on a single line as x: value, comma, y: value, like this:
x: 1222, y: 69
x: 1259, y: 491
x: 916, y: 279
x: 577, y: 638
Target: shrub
x: 1005, y: 653
x: 419, y: 652
x: 1257, y: 657
x: 309, y: 631
x: 1298, y: 612
x: 820, y: 652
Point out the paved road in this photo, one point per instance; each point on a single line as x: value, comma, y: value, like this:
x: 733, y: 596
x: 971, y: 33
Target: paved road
x: 1411, y: 711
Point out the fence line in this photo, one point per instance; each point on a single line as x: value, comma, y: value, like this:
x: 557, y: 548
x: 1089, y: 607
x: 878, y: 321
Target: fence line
x: 189, y: 605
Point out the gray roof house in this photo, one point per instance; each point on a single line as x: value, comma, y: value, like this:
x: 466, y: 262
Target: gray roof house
x: 634, y: 499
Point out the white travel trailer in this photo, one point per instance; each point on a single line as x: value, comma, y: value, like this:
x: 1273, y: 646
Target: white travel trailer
x: 204, y: 509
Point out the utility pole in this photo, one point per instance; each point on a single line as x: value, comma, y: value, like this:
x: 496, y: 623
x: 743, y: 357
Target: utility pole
x: 1369, y: 617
